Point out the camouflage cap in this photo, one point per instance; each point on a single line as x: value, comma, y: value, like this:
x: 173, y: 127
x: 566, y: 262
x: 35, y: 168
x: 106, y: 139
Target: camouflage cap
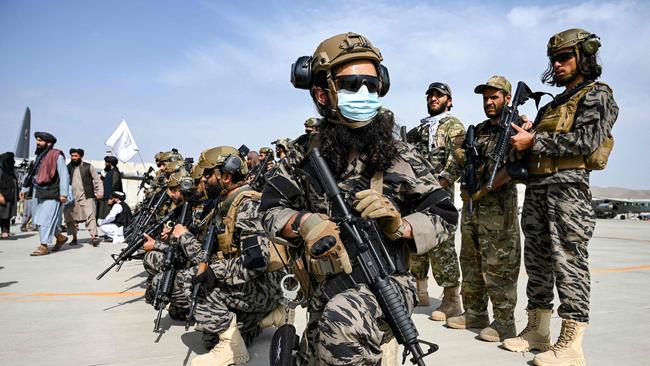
x: 496, y: 82
x: 441, y: 87
x: 266, y: 150
x: 312, y: 122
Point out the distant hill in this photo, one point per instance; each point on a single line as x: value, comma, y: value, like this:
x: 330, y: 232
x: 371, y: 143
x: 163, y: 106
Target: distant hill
x: 618, y: 192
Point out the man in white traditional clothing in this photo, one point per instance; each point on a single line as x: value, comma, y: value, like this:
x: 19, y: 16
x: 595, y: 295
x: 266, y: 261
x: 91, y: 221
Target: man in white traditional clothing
x: 48, y: 181
x: 118, y: 217
x: 86, y: 188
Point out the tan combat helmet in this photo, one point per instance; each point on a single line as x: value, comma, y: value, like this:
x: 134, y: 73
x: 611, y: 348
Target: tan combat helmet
x: 268, y: 151
x: 172, y: 155
x: 197, y: 172
x: 337, y: 50
x: 157, y: 157
x: 285, y: 143
x: 173, y: 166
x: 589, y: 43
x: 181, y: 178
x: 312, y: 122
x: 227, y: 158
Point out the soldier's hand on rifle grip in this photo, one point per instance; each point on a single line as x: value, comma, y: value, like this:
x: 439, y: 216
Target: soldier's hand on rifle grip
x: 373, y: 205
x: 149, y: 243
x: 522, y: 140
x: 207, y: 280
x: 179, y: 230
x: 322, y: 239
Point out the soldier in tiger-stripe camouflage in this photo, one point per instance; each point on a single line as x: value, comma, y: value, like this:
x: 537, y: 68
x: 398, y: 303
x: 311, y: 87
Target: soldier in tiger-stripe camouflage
x: 381, y: 177
x: 572, y: 137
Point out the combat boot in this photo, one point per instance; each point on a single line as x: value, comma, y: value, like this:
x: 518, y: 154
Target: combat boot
x: 567, y: 351
x: 497, y: 332
x: 450, y: 305
x: 423, y: 291
x: 536, y: 335
x: 231, y: 349
x: 469, y: 320
x: 277, y: 318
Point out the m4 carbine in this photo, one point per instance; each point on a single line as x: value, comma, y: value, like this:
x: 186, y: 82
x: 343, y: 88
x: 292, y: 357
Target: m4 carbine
x: 509, y: 115
x: 469, y: 182
x: 368, y: 253
x: 173, y: 259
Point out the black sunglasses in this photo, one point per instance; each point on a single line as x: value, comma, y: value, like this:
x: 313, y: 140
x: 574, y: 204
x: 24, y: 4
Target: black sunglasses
x: 562, y: 57
x: 208, y: 172
x: 354, y: 82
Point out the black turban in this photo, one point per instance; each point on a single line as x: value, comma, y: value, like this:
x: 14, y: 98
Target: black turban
x: 111, y: 159
x: 78, y: 151
x: 45, y: 136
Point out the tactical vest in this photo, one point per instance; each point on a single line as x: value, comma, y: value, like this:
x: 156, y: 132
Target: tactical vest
x: 86, y: 178
x: 228, y: 247
x: 560, y: 119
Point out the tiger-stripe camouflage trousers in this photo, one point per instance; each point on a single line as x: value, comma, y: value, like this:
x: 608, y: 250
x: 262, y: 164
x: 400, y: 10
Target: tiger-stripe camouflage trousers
x: 558, y: 221
x: 490, y: 255
x: 444, y: 264
x: 349, y: 329
x: 152, y: 262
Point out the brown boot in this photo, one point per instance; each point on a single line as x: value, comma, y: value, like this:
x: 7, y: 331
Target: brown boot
x: 536, y: 335
x: 278, y: 317
x: 231, y: 349
x: 469, y: 319
x: 567, y: 351
x: 497, y: 332
x: 450, y: 305
x: 41, y: 250
x: 423, y: 291
x: 60, y: 240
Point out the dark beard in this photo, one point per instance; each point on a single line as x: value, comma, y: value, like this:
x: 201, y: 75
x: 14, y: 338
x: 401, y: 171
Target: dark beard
x: 213, y: 191
x: 375, y: 144
x: 436, y: 111
x: 107, y: 168
x: 75, y: 162
x: 40, y: 149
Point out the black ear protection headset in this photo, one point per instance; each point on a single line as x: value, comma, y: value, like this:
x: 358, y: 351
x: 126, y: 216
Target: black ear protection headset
x: 302, y: 78
x: 232, y: 165
x: 590, y: 45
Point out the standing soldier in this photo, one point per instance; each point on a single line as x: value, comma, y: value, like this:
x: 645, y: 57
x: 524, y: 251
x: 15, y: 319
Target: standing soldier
x: 387, y: 180
x: 572, y: 137
x: 490, y: 249
x: 86, y: 188
x: 112, y: 182
x: 439, y: 136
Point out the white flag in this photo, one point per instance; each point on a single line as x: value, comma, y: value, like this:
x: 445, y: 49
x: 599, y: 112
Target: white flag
x: 122, y: 143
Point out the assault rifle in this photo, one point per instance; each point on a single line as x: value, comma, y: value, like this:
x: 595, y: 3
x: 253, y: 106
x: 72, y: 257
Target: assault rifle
x: 208, y: 247
x: 172, y: 261
x: 469, y: 182
x: 145, y: 215
x: 509, y: 115
x: 146, y: 179
x: 261, y: 170
x: 369, y: 255
x: 151, y: 229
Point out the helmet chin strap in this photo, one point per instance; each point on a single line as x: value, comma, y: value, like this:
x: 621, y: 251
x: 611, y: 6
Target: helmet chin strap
x: 333, y: 110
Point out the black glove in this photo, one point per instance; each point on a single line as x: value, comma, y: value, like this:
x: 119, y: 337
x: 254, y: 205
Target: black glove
x: 207, y: 280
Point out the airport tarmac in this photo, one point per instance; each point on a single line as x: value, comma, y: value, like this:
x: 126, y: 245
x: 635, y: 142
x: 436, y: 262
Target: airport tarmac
x: 54, y: 312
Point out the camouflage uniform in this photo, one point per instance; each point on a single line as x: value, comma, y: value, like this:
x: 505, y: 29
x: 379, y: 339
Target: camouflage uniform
x: 347, y: 328
x: 490, y: 251
x: 449, y: 136
x: 249, y: 294
x: 557, y: 218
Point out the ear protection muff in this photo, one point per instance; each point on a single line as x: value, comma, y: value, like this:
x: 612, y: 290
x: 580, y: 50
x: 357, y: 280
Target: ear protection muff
x: 301, y: 73
x: 301, y: 77
x: 232, y: 165
x: 590, y: 45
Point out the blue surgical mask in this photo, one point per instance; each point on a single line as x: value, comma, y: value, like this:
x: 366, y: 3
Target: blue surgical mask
x: 360, y: 105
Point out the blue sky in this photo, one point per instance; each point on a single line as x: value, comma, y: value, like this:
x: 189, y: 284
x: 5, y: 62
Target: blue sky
x: 197, y: 74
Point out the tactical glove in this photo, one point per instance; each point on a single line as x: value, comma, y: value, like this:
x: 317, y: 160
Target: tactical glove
x: 373, y: 205
x: 207, y: 280
x: 324, y: 244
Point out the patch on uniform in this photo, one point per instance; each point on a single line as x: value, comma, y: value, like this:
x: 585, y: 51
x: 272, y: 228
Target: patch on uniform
x: 555, y: 41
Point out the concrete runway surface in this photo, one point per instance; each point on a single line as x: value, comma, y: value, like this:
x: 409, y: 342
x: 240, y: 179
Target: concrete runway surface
x: 54, y: 312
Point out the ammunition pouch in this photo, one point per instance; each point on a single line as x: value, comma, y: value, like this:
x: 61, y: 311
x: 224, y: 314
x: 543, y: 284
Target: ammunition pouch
x: 560, y: 119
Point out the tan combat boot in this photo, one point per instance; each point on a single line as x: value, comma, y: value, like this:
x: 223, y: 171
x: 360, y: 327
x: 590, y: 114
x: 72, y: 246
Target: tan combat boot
x: 567, y: 351
x: 536, y: 335
x: 231, y: 349
x: 497, y: 332
x: 423, y: 291
x: 469, y: 319
x: 277, y: 318
x: 450, y: 305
